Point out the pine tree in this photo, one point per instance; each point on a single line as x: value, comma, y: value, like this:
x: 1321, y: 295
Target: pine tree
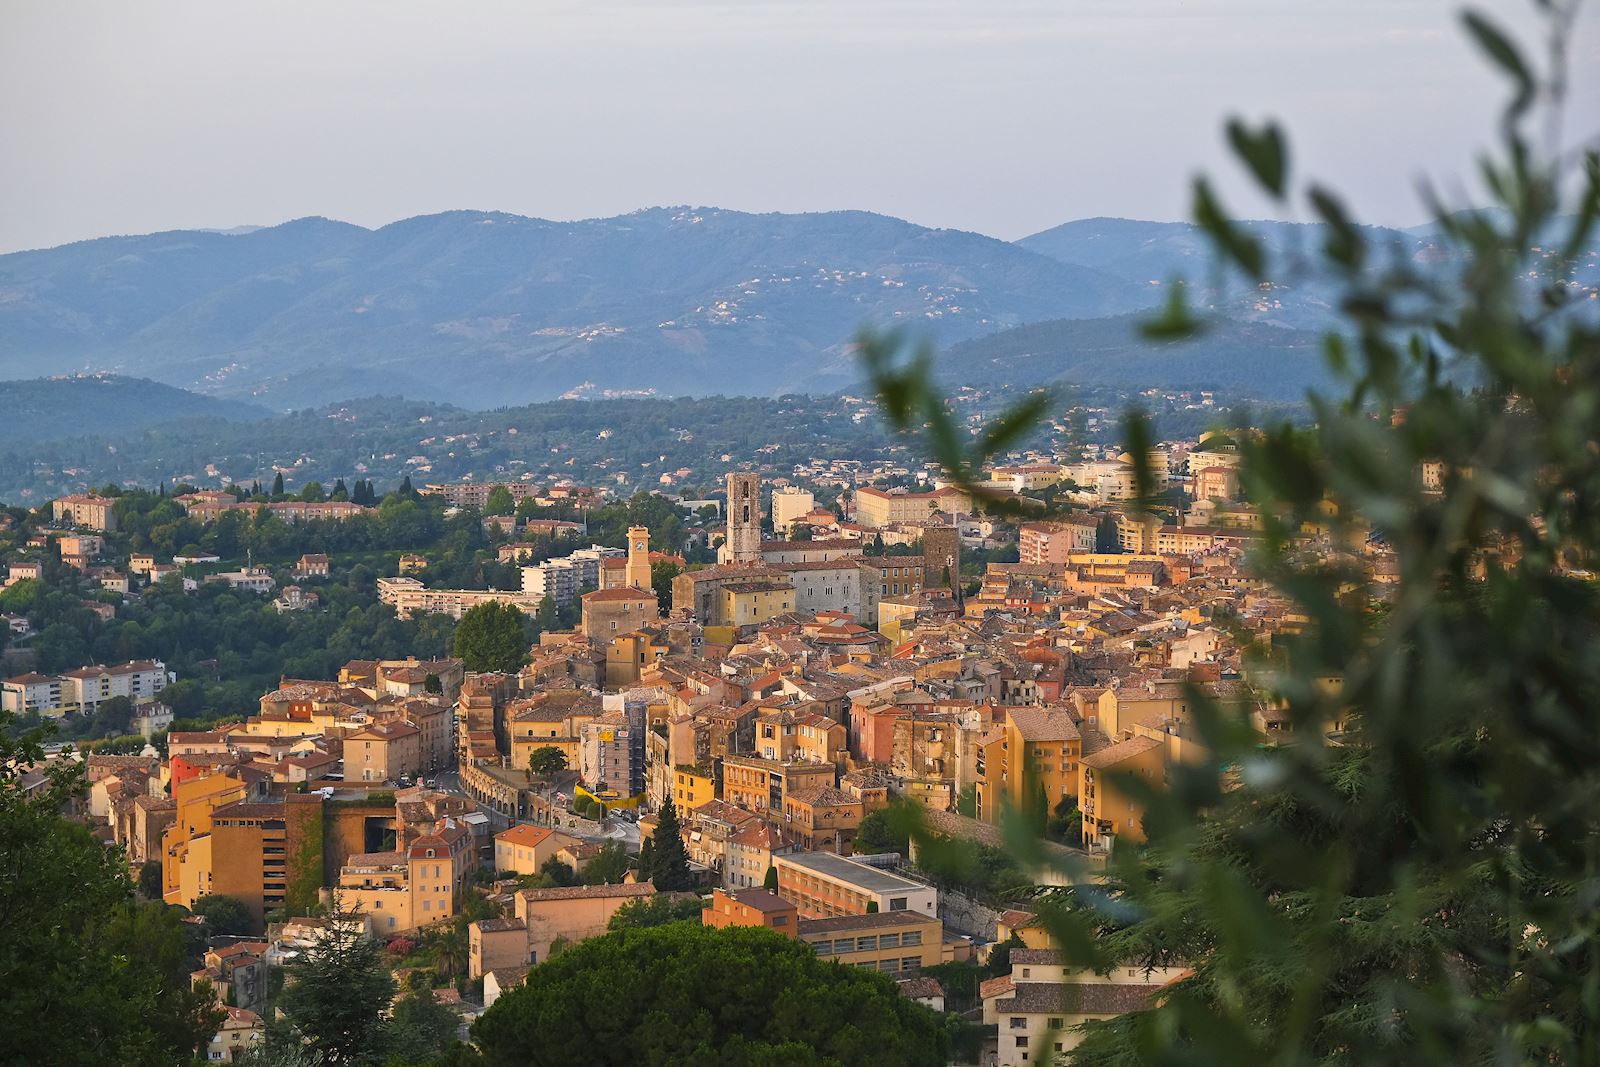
x: 670, y: 865
x: 770, y: 882
x: 645, y: 865
x: 340, y: 989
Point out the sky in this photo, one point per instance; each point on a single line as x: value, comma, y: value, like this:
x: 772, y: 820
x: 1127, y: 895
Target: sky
x: 1000, y: 116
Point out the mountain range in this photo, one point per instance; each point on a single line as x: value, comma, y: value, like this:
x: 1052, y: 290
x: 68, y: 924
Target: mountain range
x: 483, y: 309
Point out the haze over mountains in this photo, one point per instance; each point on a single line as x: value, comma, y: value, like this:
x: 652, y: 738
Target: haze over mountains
x: 484, y: 309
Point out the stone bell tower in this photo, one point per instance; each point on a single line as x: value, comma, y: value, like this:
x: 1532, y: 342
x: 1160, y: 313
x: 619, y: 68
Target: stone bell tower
x: 744, y: 518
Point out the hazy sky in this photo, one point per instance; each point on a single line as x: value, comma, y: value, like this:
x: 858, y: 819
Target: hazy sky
x: 1002, y: 116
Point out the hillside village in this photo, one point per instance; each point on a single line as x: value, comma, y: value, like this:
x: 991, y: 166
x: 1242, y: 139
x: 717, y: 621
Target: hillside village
x: 771, y: 705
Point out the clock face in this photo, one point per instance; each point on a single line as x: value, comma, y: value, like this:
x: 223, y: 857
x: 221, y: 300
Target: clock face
x: 638, y: 546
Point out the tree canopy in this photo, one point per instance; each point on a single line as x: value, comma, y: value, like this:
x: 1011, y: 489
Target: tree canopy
x: 89, y: 975
x: 493, y: 637
x: 687, y: 994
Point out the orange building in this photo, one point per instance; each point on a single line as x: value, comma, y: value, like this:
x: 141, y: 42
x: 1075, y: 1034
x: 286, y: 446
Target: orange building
x: 751, y: 907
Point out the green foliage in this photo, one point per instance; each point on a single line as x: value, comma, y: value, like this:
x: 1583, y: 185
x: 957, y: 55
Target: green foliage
x: 683, y: 993
x: 661, y: 575
x: 493, y: 637
x: 608, y: 867
x: 150, y: 879
x: 883, y: 831
x: 499, y: 502
x: 336, y: 996
x: 1410, y: 879
x: 669, y: 866
x: 658, y: 910
x: 90, y: 976
x: 546, y: 760
x: 420, y: 1028
x: 770, y: 882
x: 223, y: 914
x: 556, y: 873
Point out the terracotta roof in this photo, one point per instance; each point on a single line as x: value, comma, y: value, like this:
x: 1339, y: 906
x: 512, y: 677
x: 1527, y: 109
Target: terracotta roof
x: 1114, y: 754
x: 525, y: 834
x: 995, y: 987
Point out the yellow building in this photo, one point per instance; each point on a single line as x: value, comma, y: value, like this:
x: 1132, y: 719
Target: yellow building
x: 410, y: 888
x: 525, y: 848
x: 692, y: 789
x: 637, y: 572
x: 753, y: 603
x: 186, y: 844
x: 1035, y: 750
x: 555, y: 719
x: 1109, y: 811
x: 627, y: 656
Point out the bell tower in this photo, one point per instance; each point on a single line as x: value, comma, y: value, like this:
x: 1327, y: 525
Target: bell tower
x: 637, y: 573
x: 744, y: 518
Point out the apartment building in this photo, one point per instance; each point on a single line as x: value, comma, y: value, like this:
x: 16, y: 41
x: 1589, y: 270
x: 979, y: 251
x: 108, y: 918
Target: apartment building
x: 84, y: 689
x: 89, y: 511
x: 899, y: 943
x: 822, y: 885
x: 408, y: 597
x: 566, y: 578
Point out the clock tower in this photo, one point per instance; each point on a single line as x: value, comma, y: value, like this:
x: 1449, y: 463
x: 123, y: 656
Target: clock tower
x: 637, y: 573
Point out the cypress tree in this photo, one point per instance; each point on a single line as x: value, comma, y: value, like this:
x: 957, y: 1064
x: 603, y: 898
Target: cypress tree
x: 670, y: 863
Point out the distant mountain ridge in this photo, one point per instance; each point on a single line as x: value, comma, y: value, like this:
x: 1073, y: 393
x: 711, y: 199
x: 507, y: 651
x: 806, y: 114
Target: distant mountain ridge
x: 48, y: 409
x: 485, y: 308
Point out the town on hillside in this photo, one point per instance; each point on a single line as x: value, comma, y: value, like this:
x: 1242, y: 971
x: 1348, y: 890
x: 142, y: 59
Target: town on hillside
x: 715, y: 720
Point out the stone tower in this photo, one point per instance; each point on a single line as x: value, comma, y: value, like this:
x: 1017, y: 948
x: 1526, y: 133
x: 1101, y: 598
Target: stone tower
x: 941, y: 557
x: 637, y: 573
x: 744, y: 518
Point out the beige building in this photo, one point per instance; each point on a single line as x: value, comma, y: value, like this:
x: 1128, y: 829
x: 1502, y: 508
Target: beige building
x: 91, y: 512
x: 609, y: 612
x: 789, y: 504
x: 572, y: 913
x: 383, y: 752
x: 898, y: 943
x: 1038, y: 1008
x: 877, y: 508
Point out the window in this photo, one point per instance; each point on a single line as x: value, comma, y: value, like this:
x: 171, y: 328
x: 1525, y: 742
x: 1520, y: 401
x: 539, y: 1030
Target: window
x: 1056, y: 1024
x: 1022, y: 1042
x: 866, y: 944
x: 823, y: 948
x: 1018, y: 1022
x: 911, y: 937
x: 1026, y: 972
x: 889, y: 941
x: 897, y: 903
